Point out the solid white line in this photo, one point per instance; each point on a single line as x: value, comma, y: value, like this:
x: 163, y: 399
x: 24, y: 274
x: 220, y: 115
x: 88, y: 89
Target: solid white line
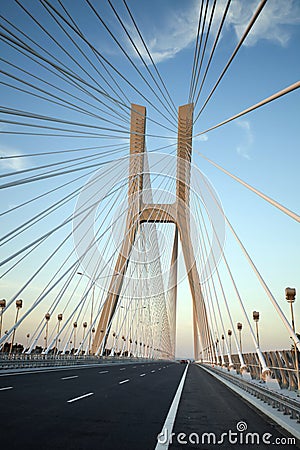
x: 79, y: 398
x: 169, y: 422
x: 69, y: 378
x: 6, y: 388
x: 104, y: 371
x: 124, y: 381
x: 142, y: 375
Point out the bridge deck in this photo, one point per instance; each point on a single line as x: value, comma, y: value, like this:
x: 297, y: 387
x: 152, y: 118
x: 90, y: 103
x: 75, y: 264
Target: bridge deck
x: 117, y: 407
x: 208, y: 406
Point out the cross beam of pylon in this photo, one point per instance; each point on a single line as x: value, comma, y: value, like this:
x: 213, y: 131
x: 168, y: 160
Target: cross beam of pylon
x: 177, y: 213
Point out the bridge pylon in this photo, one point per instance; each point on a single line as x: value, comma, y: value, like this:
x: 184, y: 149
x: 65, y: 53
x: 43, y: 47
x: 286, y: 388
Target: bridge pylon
x: 177, y: 213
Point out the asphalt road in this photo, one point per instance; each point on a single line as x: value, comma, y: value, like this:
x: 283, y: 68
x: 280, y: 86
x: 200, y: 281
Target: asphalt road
x: 208, y: 406
x: 119, y: 407
x: 44, y: 410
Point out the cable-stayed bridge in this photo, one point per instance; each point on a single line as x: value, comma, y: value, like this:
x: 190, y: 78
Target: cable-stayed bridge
x: 107, y: 214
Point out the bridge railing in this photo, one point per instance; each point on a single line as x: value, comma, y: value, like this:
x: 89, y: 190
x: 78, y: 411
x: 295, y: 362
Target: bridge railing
x: 281, y: 363
x: 23, y: 361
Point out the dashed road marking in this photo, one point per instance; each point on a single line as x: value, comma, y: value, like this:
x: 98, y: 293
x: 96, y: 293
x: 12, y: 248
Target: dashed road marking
x: 81, y: 397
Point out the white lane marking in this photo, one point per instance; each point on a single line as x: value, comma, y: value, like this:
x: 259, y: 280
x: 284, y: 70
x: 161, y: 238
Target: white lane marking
x: 69, y: 378
x: 124, y: 381
x: 79, y: 398
x: 6, y: 388
x: 163, y: 437
x: 124, y: 368
x: 142, y: 375
x: 152, y: 371
x: 104, y: 371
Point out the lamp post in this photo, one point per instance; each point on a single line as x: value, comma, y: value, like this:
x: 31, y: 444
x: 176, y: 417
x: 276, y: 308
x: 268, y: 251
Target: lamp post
x: 229, y: 336
x: 59, y: 319
x: 27, y: 336
x: 240, y: 327
x: 47, y: 317
x: 217, y: 343
x: 223, y: 339
x: 75, y: 329
x: 290, y: 295
x: 2, y: 306
x: 19, y: 304
x: 91, y: 319
x: 256, y: 320
x: 83, y: 333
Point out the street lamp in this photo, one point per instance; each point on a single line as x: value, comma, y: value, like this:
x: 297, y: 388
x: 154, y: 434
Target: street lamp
x: 19, y: 304
x: 240, y: 327
x: 256, y: 319
x: 47, y: 317
x: 27, y: 336
x: 83, y: 333
x: 75, y: 328
x: 229, y: 336
x: 290, y: 295
x: 59, y: 319
x: 223, y: 338
x: 217, y: 343
x: 2, y: 306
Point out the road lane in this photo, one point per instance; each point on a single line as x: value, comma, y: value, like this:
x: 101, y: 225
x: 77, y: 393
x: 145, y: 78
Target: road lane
x: 92, y: 411
x: 210, y: 411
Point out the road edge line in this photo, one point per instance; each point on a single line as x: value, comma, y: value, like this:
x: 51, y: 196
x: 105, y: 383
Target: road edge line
x: 170, y: 419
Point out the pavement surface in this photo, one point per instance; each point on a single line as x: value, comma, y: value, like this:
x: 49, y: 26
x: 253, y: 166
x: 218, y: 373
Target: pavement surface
x: 211, y: 413
x: 120, y: 407
x: 125, y: 409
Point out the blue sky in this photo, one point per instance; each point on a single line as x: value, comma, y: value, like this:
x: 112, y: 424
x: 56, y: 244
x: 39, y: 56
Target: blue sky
x: 261, y: 148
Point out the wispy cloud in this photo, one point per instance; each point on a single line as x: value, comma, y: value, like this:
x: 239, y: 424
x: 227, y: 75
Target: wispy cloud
x: 180, y: 27
x: 245, y: 148
x: 273, y: 24
x: 10, y: 163
x: 177, y: 33
x: 201, y: 138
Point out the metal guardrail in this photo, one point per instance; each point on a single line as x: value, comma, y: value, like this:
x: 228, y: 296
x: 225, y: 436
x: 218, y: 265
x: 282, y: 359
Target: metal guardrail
x: 286, y: 405
x: 34, y: 361
x: 282, y: 363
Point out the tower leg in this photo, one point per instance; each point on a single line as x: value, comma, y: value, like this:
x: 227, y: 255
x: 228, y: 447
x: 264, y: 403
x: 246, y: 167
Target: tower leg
x: 135, y: 187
